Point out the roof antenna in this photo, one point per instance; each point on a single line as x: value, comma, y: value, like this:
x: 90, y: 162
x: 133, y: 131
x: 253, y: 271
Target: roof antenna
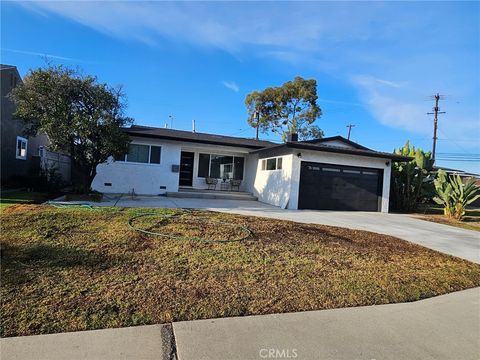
x: 349, y: 126
x: 193, y: 125
x: 171, y: 121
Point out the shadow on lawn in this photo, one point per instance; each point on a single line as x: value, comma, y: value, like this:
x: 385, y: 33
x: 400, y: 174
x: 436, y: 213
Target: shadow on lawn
x: 19, y: 264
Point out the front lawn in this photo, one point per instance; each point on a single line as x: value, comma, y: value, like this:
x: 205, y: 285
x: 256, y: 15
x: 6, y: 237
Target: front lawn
x: 69, y: 269
x: 8, y: 198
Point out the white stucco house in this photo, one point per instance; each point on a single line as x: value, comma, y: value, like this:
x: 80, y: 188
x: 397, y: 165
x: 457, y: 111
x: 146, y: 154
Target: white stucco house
x: 329, y: 174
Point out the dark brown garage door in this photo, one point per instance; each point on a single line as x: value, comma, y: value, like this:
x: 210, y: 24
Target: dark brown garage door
x: 332, y: 187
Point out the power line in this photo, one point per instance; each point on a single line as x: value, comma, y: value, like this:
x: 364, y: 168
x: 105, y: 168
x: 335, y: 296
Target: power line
x: 462, y: 160
x: 458, y: 154
x: 455, y: 142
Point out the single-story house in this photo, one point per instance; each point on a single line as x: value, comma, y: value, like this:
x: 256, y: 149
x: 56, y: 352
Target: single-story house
x: 331, y: 173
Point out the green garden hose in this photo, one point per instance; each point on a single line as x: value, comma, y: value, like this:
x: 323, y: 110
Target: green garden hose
x: 247, y: 232
x: 69, y: 205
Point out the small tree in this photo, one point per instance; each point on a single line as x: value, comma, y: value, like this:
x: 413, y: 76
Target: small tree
x: 79, y: 115
x: 411, y: 181
x: 290, y: 108
x: 454, y: 194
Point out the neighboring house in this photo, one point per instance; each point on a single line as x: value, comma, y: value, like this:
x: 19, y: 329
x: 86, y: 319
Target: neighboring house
x: 21, y: 155
x: 17, y: 149
x: 331, y: 173
x: 463, y: 174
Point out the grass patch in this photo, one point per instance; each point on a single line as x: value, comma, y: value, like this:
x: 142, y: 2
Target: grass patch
x: 71, y: 269
x: 8, y: 198
x: 471, y: 220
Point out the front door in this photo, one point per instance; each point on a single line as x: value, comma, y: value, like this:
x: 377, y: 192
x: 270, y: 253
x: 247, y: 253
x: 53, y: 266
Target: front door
x: 186, y: 168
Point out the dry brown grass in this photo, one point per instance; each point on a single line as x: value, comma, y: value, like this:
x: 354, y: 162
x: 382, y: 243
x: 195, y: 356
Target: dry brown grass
x: 78, y: 269
x: 469, y: 222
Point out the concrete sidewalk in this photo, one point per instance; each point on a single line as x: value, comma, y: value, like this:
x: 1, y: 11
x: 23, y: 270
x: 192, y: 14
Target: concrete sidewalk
x: 152, y: 342
x: 444, y: 327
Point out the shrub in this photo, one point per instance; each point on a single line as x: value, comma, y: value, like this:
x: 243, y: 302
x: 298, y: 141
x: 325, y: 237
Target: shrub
x: 411, y: 181
x: 454, y: 194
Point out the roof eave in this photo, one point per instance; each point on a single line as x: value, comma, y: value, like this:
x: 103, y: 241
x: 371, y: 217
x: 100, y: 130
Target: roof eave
x: 393, y: 157
x: 198, y: 141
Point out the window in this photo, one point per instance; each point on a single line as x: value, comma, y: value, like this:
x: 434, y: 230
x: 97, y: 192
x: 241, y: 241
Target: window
x: 142, y: 154
x: 203, y: 165
x: 41, y: 151
x: 221, y: 166
x: 279, y: 163
x: 331, y: 169
x: 272, y: 164
x: 137, y: 153
x: 21, y: 152
x: 155, y: 152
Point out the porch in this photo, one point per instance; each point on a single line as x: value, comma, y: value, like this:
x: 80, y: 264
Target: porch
x: 193, y: 193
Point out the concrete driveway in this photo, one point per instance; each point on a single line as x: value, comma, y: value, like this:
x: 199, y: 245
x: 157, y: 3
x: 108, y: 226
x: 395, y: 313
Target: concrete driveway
x: 447, y: 239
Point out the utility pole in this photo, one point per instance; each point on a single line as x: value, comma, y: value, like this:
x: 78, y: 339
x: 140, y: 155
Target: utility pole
x: 436, y: 111
x: 349, y: 126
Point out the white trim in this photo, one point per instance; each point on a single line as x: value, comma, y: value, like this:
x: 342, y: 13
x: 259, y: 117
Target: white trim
x: 276, y: 163
x: 23, y: 140
x: 149, y: 155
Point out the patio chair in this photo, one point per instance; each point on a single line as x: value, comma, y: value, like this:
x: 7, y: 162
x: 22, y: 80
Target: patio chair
x: 235, y: 184
x: 211, y: 182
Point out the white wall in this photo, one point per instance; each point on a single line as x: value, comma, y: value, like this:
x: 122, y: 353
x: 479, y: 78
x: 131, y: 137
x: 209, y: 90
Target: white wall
x: 250, y: 173
x: 274, y: 186
x: 339, y: 159
x: 146, y: 179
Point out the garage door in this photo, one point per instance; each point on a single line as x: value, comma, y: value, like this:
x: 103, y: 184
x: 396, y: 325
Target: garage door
x: 332, y: 187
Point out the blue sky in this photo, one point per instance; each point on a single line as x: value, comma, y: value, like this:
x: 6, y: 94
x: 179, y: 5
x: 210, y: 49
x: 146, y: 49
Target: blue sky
x: 376, y: 64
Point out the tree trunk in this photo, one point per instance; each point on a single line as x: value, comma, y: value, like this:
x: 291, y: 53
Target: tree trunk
x: 88, y: 174
x: 73, y: 163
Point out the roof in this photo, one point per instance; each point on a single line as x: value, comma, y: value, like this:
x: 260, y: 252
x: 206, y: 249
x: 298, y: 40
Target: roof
x: 462, y: 173
x: 353, y: 148
x: 324, y: 141
x: 6, y: 67
x: 196, y: 137
x: 259, y: 146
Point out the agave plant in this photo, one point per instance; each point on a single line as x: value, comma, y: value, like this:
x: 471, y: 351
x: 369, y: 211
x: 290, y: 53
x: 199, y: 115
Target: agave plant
x: 454, y: 194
